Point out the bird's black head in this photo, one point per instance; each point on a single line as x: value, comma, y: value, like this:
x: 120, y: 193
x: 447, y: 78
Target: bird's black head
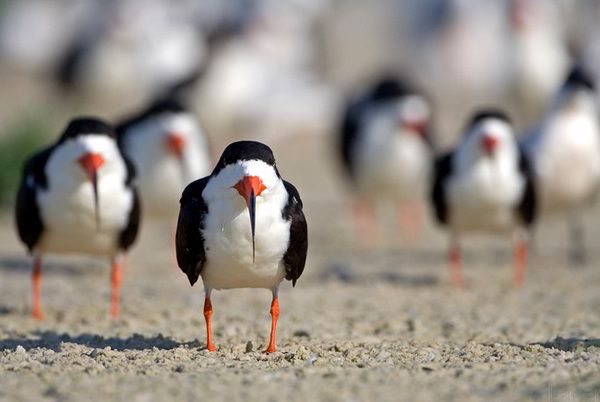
x: 156, y: 108
x: 388, y: 88
x: 579, y: 78
x: 486, y: 134
x: 484, y: 114
x: 165, y: 105
x: 87, y: 125
x: 245, y: 151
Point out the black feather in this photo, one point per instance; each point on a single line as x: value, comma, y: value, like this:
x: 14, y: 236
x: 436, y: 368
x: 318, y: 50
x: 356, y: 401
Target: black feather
x: 189, y: 242
x: 442, y: 171
x: 294, y: 258
x: 527, y: 208
x: 27, y: 214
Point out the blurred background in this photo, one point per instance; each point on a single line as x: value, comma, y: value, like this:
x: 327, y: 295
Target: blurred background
x: 282, y: 72
x: 279, y: 71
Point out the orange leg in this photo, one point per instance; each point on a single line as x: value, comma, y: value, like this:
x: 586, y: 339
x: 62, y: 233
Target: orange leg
x: 520, y: 257
x: 115, y: 279
x: 410, y: 220
x: 455, y: 264
x: 365, y: 222
x: 274, y: 317
x: 36, y: 279
x: 208, y: 312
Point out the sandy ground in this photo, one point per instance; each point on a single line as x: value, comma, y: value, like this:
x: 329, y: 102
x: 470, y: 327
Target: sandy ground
x: 364, y: 323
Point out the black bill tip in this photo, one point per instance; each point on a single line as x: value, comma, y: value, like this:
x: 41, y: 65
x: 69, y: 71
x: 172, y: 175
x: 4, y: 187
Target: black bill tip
x: 252, y: 209
x: 96, y: 201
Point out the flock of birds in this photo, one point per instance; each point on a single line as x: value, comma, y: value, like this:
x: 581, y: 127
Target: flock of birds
x: 239, y: 224
x: 83, y: 195
x: 492, y: 181
x: 86, y: 192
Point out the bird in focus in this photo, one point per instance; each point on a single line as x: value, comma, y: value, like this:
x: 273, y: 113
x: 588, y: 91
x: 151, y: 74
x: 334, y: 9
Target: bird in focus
x: 242, y: 227
x: 78, y: 196
x: 485, y: 184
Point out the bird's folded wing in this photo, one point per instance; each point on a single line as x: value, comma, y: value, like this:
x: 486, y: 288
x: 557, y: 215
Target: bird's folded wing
x: 295, y: 256
x: 189, y: 242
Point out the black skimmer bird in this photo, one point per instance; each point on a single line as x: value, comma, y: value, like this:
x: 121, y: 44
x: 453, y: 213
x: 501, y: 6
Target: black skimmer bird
x: 539, y: 52
x: 169, y: 150
x: 78, y: 196
x: 485, y: 184
x: 385, y: 149
x: 242, y: 227
x: 565, y: 151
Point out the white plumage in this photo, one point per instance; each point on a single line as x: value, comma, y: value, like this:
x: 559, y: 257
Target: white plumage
x: 227, y: 232
x: 162, y: 173
x: 565, y: 150
x: 67, y: 205
x: 393, y: 162
x: 483, y: 191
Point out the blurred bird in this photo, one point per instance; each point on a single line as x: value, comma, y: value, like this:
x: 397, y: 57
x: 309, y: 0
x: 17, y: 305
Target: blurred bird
x: 216, y: 240
x: 485, y: 184
x: 78, y: 196
x: 539, y: 50
x: 169, y: 150
x: 565, y: 151
x: 386, y: 151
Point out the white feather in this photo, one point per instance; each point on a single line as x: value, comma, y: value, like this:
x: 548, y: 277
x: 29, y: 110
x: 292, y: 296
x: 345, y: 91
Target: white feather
x: 566, y: 153
x: 392, y: 163
x: 160, y: 175
x: 227, y: 234
x: 484, y: 191
x: 67, y: 206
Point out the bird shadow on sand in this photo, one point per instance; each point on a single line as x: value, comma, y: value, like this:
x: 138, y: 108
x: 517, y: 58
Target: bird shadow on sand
x: 53, y: 340
x: 345, y: 273
x: 22, y: 264
x: 571, y: 344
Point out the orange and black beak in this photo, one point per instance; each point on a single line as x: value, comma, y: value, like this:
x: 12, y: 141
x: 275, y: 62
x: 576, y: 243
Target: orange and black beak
x: 91, y: 162
x: 176, y: 143
x: 250, y: 187
x: 417, y: 126
x: 489, y: 144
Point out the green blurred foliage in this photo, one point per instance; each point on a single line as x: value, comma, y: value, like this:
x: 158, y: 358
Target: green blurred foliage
x: 18, y: 141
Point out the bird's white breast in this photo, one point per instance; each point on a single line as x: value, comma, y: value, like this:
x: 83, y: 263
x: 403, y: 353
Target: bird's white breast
x: 228, y: 241
x: 390, y: 163
x: 567, y: 161
x: 484, y: 196
x: 67, y: 205
x: 161, y: 176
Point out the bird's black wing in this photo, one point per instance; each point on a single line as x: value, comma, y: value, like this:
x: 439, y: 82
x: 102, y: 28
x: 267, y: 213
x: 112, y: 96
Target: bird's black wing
x: 442, y: 171
x: 350, y: 131
x: 527, y: 207
x: 130, y: 232
x: 27, y: 213
x: 295, y: 255
x: 189, y: 242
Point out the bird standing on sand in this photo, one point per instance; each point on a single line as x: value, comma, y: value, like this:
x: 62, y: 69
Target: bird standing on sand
x: 78, y: 196
x: 216, y: 240
x: 565, y: 151
x: 385, y: 150
x: 169, y: 150
x: 485, y: 185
